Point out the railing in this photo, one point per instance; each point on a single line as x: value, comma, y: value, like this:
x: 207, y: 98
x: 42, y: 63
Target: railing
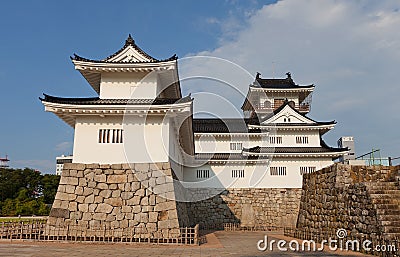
x: 379, y: 245
x: 39, y: 231
x: 299, y: 107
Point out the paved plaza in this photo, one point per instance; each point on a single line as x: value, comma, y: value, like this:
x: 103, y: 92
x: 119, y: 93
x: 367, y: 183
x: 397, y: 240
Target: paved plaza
x: 220, y: 243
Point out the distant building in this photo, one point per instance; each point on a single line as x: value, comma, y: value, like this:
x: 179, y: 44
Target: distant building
x: 4, y: 162
x: 348, y: 142
x: 60, y: 160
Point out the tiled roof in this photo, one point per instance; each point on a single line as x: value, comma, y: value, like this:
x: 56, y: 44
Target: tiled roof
x: 128, y: 42
x: 279, y: 83
x: 226, y: 156
x: 237, y: 125
x: 324, y: 148
x: 98, y: 101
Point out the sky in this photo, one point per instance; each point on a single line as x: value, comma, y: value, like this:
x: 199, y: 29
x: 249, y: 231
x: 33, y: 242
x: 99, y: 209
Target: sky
x: 350, y: 50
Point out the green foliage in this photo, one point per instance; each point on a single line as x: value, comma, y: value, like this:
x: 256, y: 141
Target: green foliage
x: 26, y: 192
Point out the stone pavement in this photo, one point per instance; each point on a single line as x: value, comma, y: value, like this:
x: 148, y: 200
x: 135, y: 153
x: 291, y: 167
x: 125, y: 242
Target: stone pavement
x: 220, y: 243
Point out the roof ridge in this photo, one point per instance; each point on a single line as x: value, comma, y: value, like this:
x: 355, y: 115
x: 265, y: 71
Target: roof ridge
x: 128, y: 42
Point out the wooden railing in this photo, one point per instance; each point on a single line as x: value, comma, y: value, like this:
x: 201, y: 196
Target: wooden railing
x: 39, y: 231
x: 299, y: 107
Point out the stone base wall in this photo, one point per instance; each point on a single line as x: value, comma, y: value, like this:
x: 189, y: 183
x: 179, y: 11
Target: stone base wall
x: 337, y: 197
x: 247, y: 207
x: 139, y: 196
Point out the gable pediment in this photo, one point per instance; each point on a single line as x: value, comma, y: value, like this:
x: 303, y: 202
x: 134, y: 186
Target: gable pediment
x: 129, y: 55
x: 287, y: 115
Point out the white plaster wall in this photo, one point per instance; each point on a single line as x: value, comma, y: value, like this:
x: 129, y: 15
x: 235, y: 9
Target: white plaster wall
x: 144, y: 141
x: 256, y: 176
x: 211, y: 144
x: 133, y: 85
x: 221, y: 144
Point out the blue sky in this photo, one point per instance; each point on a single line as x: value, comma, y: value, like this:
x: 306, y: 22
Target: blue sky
x: 350, y: 50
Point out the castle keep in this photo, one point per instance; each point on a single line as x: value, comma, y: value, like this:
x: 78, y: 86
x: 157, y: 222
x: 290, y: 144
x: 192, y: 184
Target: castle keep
x: 141, y: 160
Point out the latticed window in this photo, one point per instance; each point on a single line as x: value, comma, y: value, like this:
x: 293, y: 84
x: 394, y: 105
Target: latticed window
x: 202, y: 173
x: 107, y: 136
x: 277, y: 171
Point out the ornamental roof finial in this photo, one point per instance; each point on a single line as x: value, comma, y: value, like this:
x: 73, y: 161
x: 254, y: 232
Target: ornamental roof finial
x: 289, y: 75
x: 258, y: 75
x: 129, y: 40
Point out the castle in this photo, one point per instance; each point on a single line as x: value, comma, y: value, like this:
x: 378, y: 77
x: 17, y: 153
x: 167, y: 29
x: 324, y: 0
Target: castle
x: 141, y: 117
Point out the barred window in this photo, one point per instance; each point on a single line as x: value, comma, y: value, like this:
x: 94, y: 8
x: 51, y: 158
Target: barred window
x: 277, y: 171
x: 203, y: 173
x: 275, y: 140
x: 107, y: 136
x: 236, y: 146
x: 237, y: 173
x: 302, y: 140
x: 306, y: 170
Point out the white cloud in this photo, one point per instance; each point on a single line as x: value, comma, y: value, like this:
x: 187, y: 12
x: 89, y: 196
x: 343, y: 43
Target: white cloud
x: 63, y: 146
x: 349, y: 49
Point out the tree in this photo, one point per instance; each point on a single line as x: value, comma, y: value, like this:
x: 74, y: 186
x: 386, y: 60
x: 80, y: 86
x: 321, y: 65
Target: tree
x: 26, y: 192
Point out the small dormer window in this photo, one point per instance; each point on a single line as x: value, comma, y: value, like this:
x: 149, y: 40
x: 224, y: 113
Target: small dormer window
x: 284, y: 119
x: 288, y: 119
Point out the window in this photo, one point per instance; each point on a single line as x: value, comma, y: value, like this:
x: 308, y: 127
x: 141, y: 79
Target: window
x: 237, y: 173
x: 203, y: 173
x: 110, y: 136
x: 307, y: 170
x: 301, y: 140
x: 275, y: 140
x: 236, y: 146
x: 277, y: 171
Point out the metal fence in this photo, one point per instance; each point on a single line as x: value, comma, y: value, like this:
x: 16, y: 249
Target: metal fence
x: 364, y: 243
x: 40, y: 231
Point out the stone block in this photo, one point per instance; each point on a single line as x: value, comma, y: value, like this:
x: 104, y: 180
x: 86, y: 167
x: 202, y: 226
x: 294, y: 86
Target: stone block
x: 84, y: 207
x: 59, y: 213
x: 153, y: 216
x: 116, y: 166
x: 73, y: 173
x: 104, y: 166
x: 98, y: 199
x: 114, y: 201
x: 142, y: 167
x: 87, y: 191
x: 126, y: 195
x: 104, y: 208
x: 92, y: 166
x: 102, y: 186
x: 79, y: 190
x: 116, y: 193
x: 73, y: 206
x: 65, y: 173
x: 135, y: 186
x: 100, y: 178
x: 133, y: 201
x: 105, y: 193
x: 100, y: 216
x: 119, y: 172
x: 136, y: 209
x: 69, y: 181
x: 117, y: 179
x: 89, y: 199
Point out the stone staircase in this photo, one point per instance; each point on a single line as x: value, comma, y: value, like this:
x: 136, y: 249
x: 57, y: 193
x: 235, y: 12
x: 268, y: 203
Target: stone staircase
x: 385, y: 197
